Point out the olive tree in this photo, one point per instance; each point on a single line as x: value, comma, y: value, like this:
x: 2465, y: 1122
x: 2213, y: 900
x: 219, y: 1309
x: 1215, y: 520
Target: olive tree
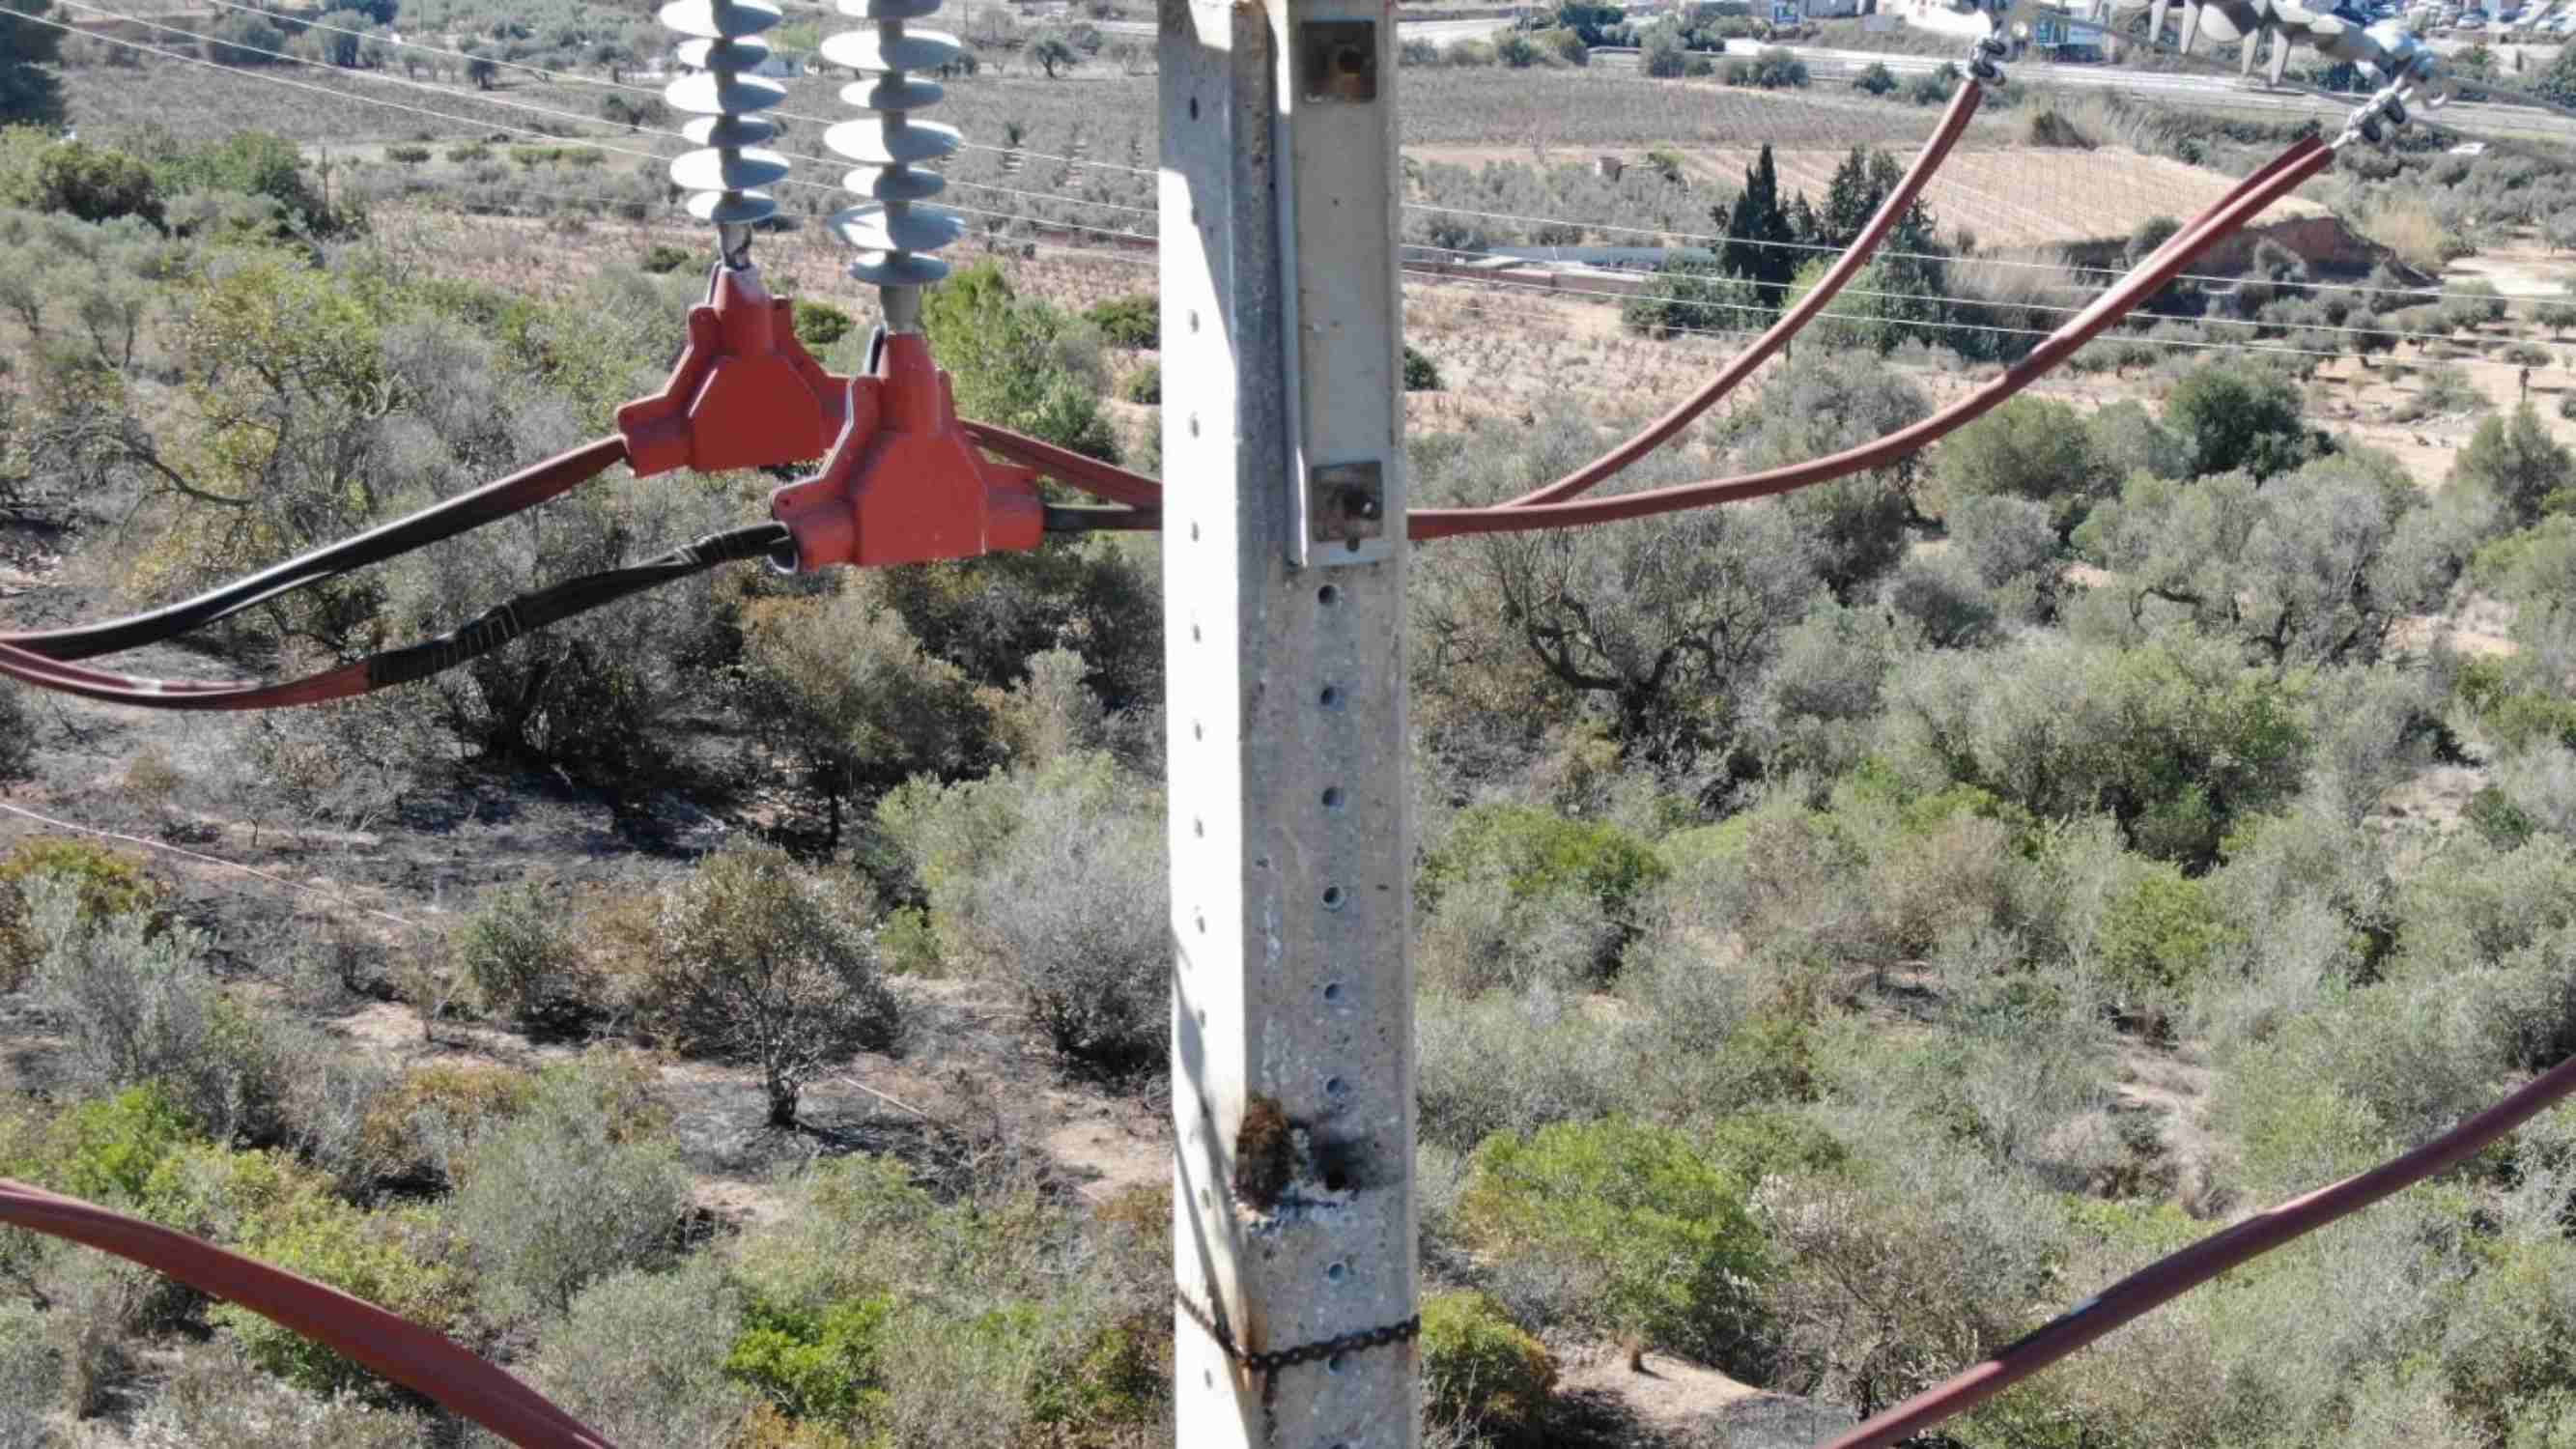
x: 2033, y: 449
x: 2176, y: 739
x: 2238, y: 416
x: 758, y: 960
x: 2518, y: 462
x: 1660, y: 625
x: 2313, y: 567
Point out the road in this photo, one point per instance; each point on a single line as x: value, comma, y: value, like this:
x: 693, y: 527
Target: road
x: 1438, y: 32
x: 2478, y: 118
x: 1826, y: 63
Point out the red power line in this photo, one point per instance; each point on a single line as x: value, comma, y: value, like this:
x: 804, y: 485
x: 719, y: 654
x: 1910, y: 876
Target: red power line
x: 1954, y: 123
x: 395, y: 1348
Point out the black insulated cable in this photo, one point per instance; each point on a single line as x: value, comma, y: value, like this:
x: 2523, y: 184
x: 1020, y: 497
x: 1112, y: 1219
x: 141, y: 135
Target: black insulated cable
x: 461, y: 514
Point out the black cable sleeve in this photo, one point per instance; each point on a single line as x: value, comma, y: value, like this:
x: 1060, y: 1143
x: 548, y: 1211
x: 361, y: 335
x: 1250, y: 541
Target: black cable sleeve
x: 461, y: 514
x: 498, y: 625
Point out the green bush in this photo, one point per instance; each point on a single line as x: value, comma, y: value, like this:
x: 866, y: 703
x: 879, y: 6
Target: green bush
x: 473, y: 151
x: 1480, y: 1370
x: 107, y: 884
x: 407, y: 155
x: 572, y: 1190
x: 90, y: 182
x: 814, y: 1363
x: 396, y: 1260
x: 1135, y: 322
x: 1875, y: 78
x: 1144, y: 385
x: 2158, y: 936
x: 1537, y: 852
x: 519, y: 954
x: 2238, y: 416
x: 2492, y: 814
x: 1420, y: 373
x: 1658, y: 1230
x: 820, y: 324
x: 112, y: 1150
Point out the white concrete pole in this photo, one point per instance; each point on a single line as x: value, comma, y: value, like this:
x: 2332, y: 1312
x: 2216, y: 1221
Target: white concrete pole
x: 1283, y: 577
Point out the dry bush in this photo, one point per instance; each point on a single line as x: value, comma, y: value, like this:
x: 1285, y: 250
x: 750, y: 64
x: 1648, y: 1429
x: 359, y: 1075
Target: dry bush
x: 567, y: 1193
x: 413, y: 1133
x: 30, y: 1379
x: 640, y: 1357
x: 216, y: 1400
x: 2409, y: 226
x: 759, y: 960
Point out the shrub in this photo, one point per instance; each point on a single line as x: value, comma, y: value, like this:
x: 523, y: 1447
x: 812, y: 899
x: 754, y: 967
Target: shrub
x: 17, y: 733
x: 1134, y: 322
x: 104, y: 882
x: 567, y: 1193
x: 640, y: 1358
x: 1480, y: 1370
x: 522, y: 960
x: 413, y: 1134
x: 2519, y: 464
x: 214, y: 1400
x: 2234, y: 417
x: 407, y: 155
x: 92, y: 183
x: 1420, y: 373
x: 391, y: 1259
x: 1537, y: 852
x: 30, y: 1378
x: 1875, y: 78
x: 1053, y: 879
x: 1144, y: 385
x: 2158, y: 936
x: 820, y: 324
x: 1658, y: 1234
x: 473, y: 151
x: 138, y: 1003
x: 2034, y: 449
x: 814, y: 1363
x: 761, y: 961
x: 1505, y: 1063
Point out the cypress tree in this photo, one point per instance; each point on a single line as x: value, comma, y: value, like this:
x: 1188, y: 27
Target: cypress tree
x: 1756, y: 230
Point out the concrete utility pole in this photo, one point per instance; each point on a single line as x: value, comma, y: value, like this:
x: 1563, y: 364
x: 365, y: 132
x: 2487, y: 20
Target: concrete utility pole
x: 1283, y: 584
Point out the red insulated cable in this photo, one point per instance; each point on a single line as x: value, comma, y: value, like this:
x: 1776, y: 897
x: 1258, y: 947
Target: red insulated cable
x: 218, y: 694
x: 2240, y: 204
x: 1954, y: 123
x: 1102, y: 480
x: 2169, y: 1278
x: 403, y: 1352
x: 2294, y: 167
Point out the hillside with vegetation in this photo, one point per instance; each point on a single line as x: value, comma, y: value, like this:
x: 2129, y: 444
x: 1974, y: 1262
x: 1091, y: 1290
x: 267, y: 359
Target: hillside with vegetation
x: 1851, y: 927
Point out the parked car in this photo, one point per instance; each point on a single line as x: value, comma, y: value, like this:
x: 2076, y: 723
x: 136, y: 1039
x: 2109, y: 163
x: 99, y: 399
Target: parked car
x: 2473, y: 21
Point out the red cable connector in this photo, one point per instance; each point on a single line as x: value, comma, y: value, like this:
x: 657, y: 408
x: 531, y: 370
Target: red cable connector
x: 746, y: 393
x: 903, y: 484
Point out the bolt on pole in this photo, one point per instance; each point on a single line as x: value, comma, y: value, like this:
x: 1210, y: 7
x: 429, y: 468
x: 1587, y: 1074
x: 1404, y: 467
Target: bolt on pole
x: 1291, y: 834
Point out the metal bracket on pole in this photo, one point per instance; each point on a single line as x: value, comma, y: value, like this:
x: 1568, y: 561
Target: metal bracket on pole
x: 1290, y: 815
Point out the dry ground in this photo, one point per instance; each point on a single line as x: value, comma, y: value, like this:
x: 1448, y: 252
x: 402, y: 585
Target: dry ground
x: 2011, y: 197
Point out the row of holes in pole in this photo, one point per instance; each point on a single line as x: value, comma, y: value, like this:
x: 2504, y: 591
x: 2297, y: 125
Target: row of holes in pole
x: 1328, y: 697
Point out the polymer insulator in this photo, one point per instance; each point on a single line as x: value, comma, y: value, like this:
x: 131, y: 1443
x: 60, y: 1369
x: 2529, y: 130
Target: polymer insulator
x: 728, y: 177
x: 888, y: 228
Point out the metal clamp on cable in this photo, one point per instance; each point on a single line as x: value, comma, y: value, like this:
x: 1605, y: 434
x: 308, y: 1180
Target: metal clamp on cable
x: 2389, y: 104
x: 1985, y: 62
